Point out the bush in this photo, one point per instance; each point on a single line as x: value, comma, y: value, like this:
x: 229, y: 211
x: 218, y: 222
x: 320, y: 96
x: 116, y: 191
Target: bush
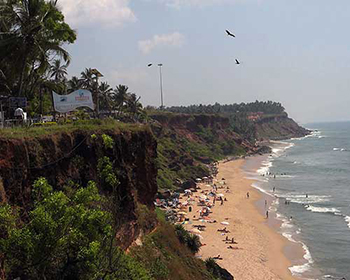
x: 192, y: 241
x: 68, y: 236
x: 217, y: 271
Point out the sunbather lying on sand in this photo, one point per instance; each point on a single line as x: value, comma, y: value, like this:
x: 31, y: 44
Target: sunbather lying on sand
x: 217, y: 258
x: 224, y: 230
x: 233, y: 248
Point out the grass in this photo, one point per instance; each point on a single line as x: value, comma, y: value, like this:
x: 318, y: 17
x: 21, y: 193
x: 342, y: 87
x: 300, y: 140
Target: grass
x: 88, y: 125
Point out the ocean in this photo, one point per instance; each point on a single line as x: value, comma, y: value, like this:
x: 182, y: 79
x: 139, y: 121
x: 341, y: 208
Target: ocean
x: 311, y: 178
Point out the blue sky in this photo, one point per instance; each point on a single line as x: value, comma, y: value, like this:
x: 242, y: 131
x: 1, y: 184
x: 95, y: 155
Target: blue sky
x: 295, y: 52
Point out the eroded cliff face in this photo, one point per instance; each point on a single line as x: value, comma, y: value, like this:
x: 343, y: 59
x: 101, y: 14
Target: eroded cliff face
x: 194, y: 127
x: 279, y: 128
x: 73, y: 156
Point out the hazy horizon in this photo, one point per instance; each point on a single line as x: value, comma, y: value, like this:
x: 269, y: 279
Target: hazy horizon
x: 293, y: 52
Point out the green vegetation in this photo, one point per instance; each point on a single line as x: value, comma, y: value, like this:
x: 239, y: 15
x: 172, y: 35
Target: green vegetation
x: 184, y: 158
x: 68, y: 235
x: 31, y: 33
x: 167, y: 258
x: 266, y: 107
x: 33, y: 62
x: 86, y: 125
x: 190, y: 240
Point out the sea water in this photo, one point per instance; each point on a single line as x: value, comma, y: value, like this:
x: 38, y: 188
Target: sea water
x: 311, y: 178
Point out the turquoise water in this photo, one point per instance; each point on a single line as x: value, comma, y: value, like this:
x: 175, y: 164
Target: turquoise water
x: 311, y: 177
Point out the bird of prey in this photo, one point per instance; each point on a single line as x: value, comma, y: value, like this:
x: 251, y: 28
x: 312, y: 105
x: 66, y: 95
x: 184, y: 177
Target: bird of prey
x: 237, y: 62
x: 229, y: 33
x: 149, y: 65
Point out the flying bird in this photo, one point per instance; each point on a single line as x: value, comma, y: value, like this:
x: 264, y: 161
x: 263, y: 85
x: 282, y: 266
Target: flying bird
x: 229, y: 33
x: 237, y: 62
x: 149, y: 65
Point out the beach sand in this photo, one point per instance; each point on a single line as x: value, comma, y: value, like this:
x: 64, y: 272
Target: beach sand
x: 259, y: 253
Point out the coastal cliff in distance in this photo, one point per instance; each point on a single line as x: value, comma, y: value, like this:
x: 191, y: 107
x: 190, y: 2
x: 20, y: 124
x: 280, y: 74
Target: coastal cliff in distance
x: 279, y: 127
x: 187, y: 143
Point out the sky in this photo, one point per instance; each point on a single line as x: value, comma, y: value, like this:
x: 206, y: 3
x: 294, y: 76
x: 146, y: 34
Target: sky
x: 296, y: 52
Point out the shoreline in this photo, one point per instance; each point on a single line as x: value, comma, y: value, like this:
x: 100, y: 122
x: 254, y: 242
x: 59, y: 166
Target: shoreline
x: 261, y: 251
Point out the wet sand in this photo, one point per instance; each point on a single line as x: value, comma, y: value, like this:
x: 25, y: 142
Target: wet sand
x: 260, y: 250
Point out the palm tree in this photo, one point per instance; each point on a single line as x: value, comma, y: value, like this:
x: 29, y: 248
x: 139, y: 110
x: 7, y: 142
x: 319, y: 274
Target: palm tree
x: 105, y: 92
x: 133, y: 105
x: 58, y: 71
x: 120, y: 97
x: 29, y: 39
x: 88, y: 81
x: 74, y: 83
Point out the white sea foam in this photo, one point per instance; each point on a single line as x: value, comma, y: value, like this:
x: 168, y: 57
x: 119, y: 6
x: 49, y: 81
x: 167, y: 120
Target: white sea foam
x: 347, y: 219
x: 297, y: 270
x: 266, y: 165
x: 322, y: 209
x: 303, y: 199
x: 340, y: 149
x: 256, y: 186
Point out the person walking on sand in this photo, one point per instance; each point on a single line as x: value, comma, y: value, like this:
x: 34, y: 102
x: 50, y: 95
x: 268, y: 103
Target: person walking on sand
x: 274, y: 188
x: 247, y: 194
x: 267, y: 214
x: 265, y: 203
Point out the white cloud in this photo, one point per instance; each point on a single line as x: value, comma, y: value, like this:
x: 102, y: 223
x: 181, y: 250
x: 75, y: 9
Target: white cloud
x: 199, y: 3
x: 128, y: 76
x: 109, y: 13
x: 175, y: 39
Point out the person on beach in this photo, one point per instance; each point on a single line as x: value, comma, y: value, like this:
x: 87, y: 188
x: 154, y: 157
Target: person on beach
x: 274, y: 188
x: 265, y: 203
x: 222, y: 201
x: 267, y: 214
x: 247, y: 194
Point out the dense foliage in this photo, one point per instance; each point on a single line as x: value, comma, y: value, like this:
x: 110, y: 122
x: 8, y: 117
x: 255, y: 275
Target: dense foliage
x: 266, y: 107
x: 68, y: 235
x: 32, y: 33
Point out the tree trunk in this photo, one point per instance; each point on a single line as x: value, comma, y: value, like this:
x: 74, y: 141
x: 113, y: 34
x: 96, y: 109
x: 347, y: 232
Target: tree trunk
x: 21, y: 77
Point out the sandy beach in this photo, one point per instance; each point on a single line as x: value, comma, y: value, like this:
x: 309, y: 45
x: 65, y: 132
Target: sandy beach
x: 259, y: 251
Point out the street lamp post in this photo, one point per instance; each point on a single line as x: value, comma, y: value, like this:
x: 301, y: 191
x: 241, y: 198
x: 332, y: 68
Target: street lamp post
x: 161, y: 83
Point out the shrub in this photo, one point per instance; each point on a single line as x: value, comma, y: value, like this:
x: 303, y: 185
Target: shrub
x: 108, y: 141
x: 192, y: 241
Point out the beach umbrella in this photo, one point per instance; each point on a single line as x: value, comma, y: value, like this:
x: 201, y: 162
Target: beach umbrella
x: 188, y: 191
x: 198, y: 179
x: 225, y: 223
x: 203, y: 196
x: 208, y: 185
x: 220, y: 195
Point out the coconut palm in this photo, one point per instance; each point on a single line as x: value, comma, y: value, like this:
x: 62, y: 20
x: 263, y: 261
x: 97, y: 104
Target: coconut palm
x: 74, y: 83
x: 58, y: 71
x: 88, y: 81
x: 134, y: 107
x: 120, y: 96
x: 28, y: 40
x: 105, y: 92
